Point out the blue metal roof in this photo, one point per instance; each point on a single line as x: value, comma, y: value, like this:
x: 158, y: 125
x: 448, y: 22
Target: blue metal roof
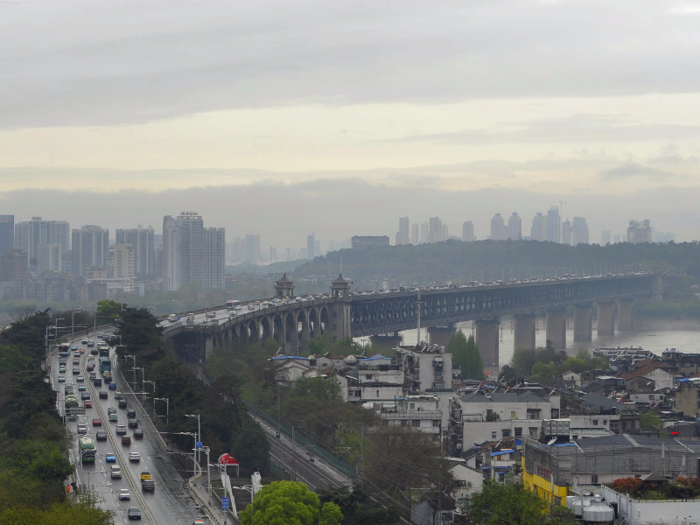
x: 501, y: 452
x: 373, y: 358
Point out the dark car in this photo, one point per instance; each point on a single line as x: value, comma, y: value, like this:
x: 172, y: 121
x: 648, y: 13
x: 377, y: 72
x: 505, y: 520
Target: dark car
x: 148, y: 485
x: 103, y: 394
x: 62, y: 362
x: 76, y: 371
x: 126, y: 440
x: 90, y: 368
x: 101, y: 435
x: 134, y: 513
x: 138, y: 434
x: 133, y: 423
x: 93, y: 351
x: 122, y: 403
x: 131, y: 413
x: 84, y: 395
x: 112, y: 386
x: 98, y: 382
x: 108, y: 380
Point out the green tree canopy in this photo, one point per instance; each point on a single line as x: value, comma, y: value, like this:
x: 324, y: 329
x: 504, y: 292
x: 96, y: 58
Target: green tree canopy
x: 465, y: 354
x: 289, y: 503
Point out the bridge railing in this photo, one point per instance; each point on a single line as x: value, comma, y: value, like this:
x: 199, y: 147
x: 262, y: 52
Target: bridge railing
x: 302, y: 441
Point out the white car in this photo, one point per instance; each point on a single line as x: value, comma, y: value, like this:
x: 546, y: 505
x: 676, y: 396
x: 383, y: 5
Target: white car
x: 134, y: 456
x: 124, y: 495
x: 211, y: 314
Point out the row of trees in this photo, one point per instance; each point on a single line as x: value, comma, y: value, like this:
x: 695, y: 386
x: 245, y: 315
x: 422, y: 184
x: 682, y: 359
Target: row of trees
x: 542, y: 365
x: 33, y: 441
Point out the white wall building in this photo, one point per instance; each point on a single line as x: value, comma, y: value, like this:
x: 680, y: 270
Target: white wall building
x: 426, y: 368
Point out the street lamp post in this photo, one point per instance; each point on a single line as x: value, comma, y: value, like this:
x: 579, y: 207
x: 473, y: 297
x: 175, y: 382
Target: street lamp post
x: 194, y: 453
x: 167, y: 408
x: 134, y: 358
x: 143, y: 377
x: 199, y: 429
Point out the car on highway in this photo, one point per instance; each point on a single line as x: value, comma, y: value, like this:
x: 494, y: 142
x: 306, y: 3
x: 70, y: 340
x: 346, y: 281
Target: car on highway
x: 96, y: 422
x: 138, y: 434
x: 110, y: 457
x: 101, y: 435
x: 112, y: 386
x: 62, y: 369
x: 61, y: 379
x: 131, y: 413
x: 84, y: 395
x: 92, y: 376
x: 84, y: 341
x: 76, y: 371
x: 134, y: 513
x: 90, y: 344
x: 115, y: 472
x: 211, y: 314
x: 134, y: 456
x: 113, y: 418
x: 87, y: 404
x: 148, y: 486
x: 111, y: 410
x: 82, y: 428
x: 126, y: 440
x: 108, y: 380
x: 61, y: 362
x: 82, y: 388
x: 120, y: 429
x: 80, y: 379
x: 98, y: 382
x: 133, y: 423
x: 118, y: 395
x: 76, y: 362
x: 74, y: 348
x: 145, y: 475
x: 90, y: 368
x: 122, y: 403
x: 124, y: 495
x: 103, y: 394
x: 93, y: 351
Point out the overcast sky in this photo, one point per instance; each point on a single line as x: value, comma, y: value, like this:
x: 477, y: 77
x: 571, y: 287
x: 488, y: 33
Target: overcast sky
x: 283, y: 118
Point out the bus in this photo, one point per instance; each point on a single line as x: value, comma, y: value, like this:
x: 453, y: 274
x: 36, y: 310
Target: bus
x: 64, y: 349
x: 105, y: 365
x: 87, y: 449
x: 230, y: 305
x: 72, y: 401
x: 103, y: 349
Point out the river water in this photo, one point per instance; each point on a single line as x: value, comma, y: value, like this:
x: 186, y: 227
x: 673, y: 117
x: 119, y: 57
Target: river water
x: 656, y: 337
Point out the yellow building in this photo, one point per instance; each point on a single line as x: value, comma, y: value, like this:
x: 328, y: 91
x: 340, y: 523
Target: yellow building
x: 542, y: 482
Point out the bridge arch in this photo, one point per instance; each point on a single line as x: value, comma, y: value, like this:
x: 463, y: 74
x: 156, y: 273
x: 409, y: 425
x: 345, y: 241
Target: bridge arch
x: 302, y: 325
x: 253, y: 331
x: 278, y: 329
x: 266, y: 328
x: 290, y: 328
x: 314, y: 329
x: 323, y: 320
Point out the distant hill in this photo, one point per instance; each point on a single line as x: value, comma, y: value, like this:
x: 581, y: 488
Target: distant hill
x: 458, y: 261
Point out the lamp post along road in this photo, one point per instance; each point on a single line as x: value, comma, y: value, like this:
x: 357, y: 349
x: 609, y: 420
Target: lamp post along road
x: 134, y: 358
x: 167, y: 408
x: 199, y: 429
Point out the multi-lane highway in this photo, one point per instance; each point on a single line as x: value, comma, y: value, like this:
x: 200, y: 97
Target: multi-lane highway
x: 171, y: 502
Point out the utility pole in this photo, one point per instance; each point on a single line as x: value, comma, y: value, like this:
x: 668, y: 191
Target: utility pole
x: 361, y: 474
x: 294, y: 456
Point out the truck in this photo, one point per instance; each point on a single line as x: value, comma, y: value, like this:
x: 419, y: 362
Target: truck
x: 72, y: 401
x: 87, y: 449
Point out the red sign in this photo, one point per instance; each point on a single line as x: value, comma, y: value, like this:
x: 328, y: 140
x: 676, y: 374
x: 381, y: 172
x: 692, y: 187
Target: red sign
x: 675, y: 433
x: 227, y: 459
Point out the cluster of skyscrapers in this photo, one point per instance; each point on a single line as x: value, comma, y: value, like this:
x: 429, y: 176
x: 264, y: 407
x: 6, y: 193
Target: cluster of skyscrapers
x: 428, y: 232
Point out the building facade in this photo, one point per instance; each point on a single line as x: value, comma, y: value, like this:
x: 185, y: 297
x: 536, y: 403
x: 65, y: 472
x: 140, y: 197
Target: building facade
x: 639, y: 232
x: 142, y: 241
x: 7, y: 233
x: 90, y: 249
x: 468, y: 232
x: 497, y: 228
x: 29, y: 234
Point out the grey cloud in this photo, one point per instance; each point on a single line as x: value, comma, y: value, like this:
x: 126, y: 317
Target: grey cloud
x: 102, y: 63
x: 634, y: 170
x: 581, y: 128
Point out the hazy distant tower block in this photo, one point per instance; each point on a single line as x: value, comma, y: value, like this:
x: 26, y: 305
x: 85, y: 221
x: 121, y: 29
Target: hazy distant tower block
x: 605, y: 237
x: 252, y: 248
x: 7, y: 233
x: 553, y: 225
x: 566, y: 232
x: 142, y: 242
x: 415, y: 234
x: 579, y: 231
x: 538, y: 231
x: 90, y: 249
x: 497, y: 228
x: 402, y: 236
x: 515, y: 227
x: 435, y: 230
x: 29, y: 234
x: 639, y: 232
x: 310, y: 246
x: 424, y: 233
x: 468, y: 232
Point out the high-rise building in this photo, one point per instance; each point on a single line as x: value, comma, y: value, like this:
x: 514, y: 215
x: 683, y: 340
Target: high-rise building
x: 468, y: 232
x: 424, y: 233
x: 515, y: 227
x: 445, y: 233
x: 142, y: 242
x: 605, y: 237
x: 566, y: 232
x: 435, y: 229
x: 497, y: 227
x: 29, y: 234
x: 415, y: 235
x: 124, y: 257
x: 13, y: 266
x: 238, y: 250
x: 579, y: 230
x: 252, y: 248
x: 7, y: 233
x: 310, y: 246
x: 49, y: 257
x: 402, y: 236
x: 553, y: 225
x: 90, y: 249
x: 639, y: 232
x: 192, y: 253
x: 538, y: 231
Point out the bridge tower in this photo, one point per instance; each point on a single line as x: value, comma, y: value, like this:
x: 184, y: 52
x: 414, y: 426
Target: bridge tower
x: 284, y: 288
x: 340, y: 309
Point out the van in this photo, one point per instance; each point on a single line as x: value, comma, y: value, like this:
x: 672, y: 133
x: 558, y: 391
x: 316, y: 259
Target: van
x: 172, y: 318
x: 115, y: 472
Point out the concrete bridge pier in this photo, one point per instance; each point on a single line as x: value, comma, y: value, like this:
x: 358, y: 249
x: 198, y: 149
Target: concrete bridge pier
x: 385, y: 341
x: 583, y: 322
x: 525, y: 327
x: 556, y: 328
x: 625, y: 321
x: 606, y: 318
x: 441, y: 335
x: 487, y: 339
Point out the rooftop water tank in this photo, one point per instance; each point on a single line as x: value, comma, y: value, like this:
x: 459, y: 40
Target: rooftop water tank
x: 598, y: 512
x: 350, y: 360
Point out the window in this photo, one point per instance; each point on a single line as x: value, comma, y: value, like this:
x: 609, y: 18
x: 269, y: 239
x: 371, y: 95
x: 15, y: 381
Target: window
x: 493, y: 434
x: 377, y: 393
x: 404, y: 422
x: 368, y: 376
x: 595, y: 422
x: 512, y: 415
x: 506, y: 433
x: 651, y: 397
x: 436, y: 422
x: 555, y: 413
x: 594, y: 478
x: 518, y: 432
x: 488, y: 411
x: 415, y: 423
x: 534, y: 432
x: 605, y: 422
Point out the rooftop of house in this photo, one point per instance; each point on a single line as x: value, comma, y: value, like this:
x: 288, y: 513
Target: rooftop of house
x: 501, y: 397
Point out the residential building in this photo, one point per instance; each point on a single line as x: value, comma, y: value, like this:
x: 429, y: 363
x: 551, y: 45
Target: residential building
x: 553, y: 225
x: 445, y: 232
x: 435, y: 230
x: 661, y: 237
x: 290, y: 367
x: 402, y: 236
x: 468, y: 232
x: 252, y: 248
x: 497, y: 228
x: 639, y: 232
x: 7, y: 233
x: 374, y: 379
x: 13, y: 266
x: 142, y: 242
x: 420, y: 412
x: 426, y: 368
x: 538, y: 231
x: 515, y: 227
x: 424, y: 233
x: 237, y: 250
x: 310, y: 246
x: 687, y: 397
x: 90, y: 249
x: 415, y: 235
x: 171, y: 260
x: 566, y: 233
x: 123, y: 261
x: 605, y: 237
x: 49, y: 258
x: 29, y: 234
x: 369, y: 241
x: 214, y: 262
x: 579, y: 230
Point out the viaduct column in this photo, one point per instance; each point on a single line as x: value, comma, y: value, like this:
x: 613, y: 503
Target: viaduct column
x: 583, y: 322
x: 556, y: 328
x: 487, y: 339
x: 524, y: 331
x: 441, y: 335
x: 606, y: 318
x: 625, y: 322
